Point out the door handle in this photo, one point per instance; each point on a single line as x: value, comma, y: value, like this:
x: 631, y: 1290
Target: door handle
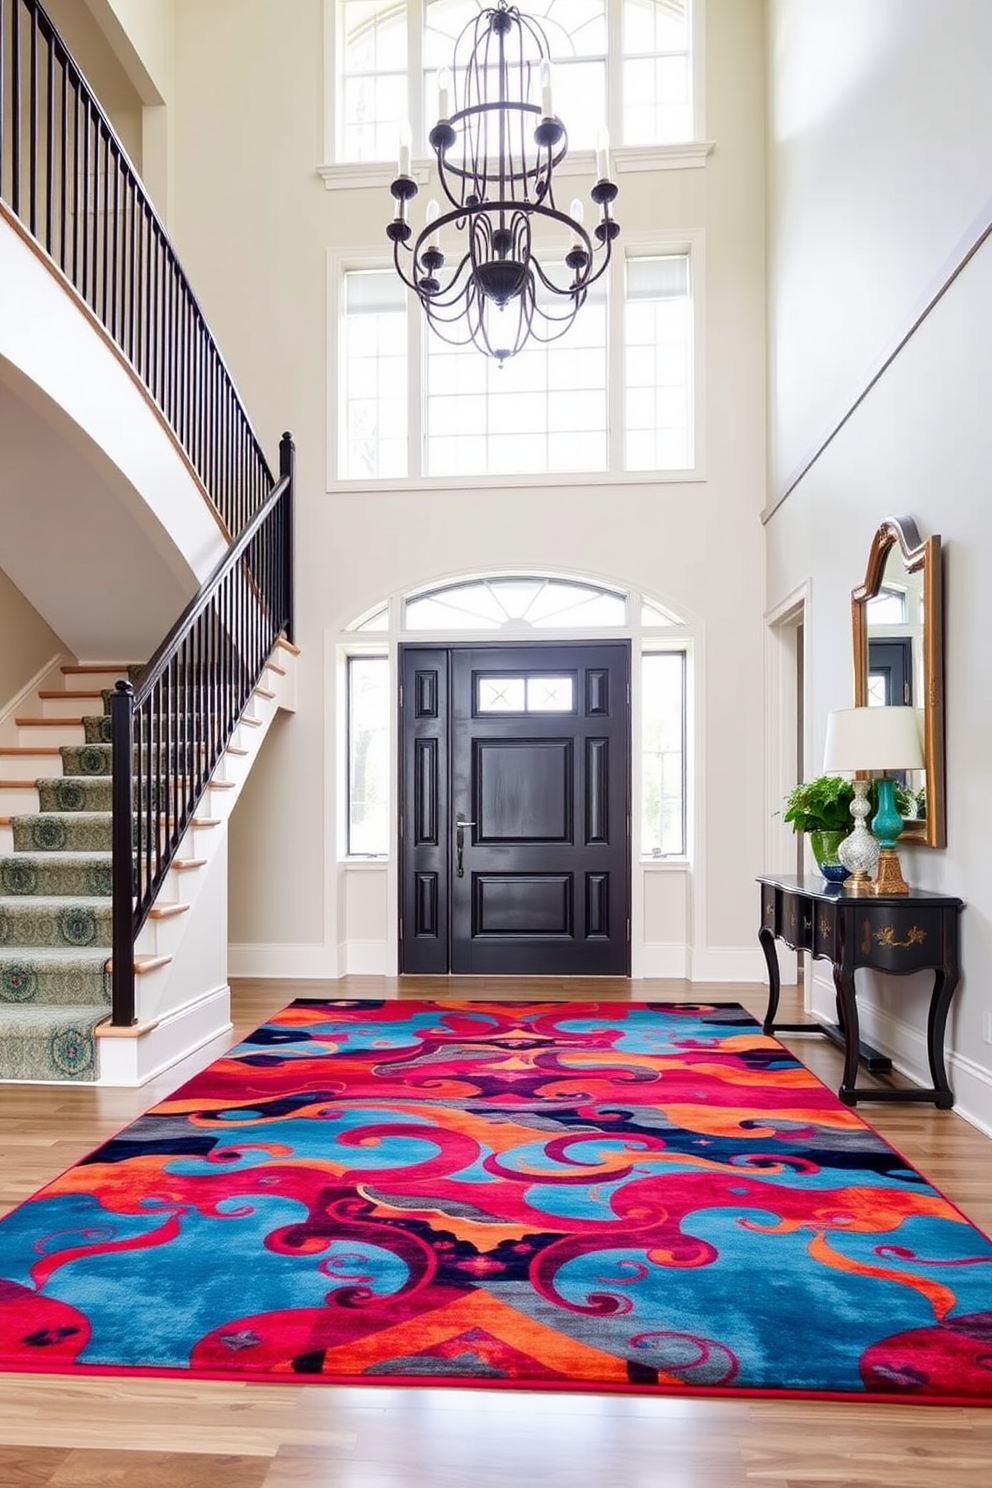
x: 460, y: 825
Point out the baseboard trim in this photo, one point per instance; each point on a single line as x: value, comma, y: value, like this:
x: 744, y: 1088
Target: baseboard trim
x: 972, y: 1086
x: 727, y: 964
x: 307, y: 961
x: 663, y: 959
x: 364, y: 958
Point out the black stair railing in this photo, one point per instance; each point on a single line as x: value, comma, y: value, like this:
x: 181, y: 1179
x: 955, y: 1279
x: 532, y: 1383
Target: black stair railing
x: 67, y: 178
x: 170, y: 730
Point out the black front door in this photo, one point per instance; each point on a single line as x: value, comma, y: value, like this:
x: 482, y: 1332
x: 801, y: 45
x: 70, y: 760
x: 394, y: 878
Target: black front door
x: 514, y: 811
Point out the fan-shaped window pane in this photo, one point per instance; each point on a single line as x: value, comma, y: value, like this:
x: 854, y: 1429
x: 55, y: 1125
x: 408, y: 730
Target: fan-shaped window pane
x: 515, y: 603
x: 389, y: 53
x: 655, y: 614
x: 378, y: 620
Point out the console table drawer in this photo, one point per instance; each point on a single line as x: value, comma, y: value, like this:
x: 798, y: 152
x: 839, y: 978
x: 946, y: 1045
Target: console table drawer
x: 900, y: 938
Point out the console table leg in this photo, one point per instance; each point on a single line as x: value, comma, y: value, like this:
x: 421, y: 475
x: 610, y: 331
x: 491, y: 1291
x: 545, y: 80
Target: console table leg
x: 848, y: 1005
x: 767, y: 940
x: 944, y: 985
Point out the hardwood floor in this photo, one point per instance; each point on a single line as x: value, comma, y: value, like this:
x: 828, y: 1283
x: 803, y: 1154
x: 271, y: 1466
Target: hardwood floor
x: 162, y: 1433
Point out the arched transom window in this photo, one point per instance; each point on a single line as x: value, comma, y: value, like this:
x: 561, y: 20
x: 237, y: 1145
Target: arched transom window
x: 623, y: 63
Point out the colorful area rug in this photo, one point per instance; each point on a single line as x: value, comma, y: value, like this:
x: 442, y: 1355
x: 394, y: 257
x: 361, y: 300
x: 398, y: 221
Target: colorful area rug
x: 589, y: 1195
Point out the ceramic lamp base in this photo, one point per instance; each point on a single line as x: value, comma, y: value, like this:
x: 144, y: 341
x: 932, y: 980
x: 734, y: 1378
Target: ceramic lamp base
x: 859, y: 851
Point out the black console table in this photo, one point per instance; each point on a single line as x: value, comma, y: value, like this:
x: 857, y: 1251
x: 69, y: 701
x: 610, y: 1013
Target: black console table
x: 896, y: 933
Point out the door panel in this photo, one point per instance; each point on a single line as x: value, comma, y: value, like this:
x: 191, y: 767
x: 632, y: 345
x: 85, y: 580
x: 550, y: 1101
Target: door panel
x: 424, y: 810
x: 535, y: 764
x: 523, y: 790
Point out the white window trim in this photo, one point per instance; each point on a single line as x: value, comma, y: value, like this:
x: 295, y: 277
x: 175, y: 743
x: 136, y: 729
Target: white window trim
x: 339, y: 262
x: 689, y: 154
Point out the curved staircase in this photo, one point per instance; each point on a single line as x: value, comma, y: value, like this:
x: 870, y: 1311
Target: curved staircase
x: 55, y: 885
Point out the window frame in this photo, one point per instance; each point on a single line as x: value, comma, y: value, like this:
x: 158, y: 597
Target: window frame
x: 635, y: 244
x: 678, y: 154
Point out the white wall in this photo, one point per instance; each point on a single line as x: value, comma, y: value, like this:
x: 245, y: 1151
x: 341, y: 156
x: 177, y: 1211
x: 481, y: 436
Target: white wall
x: 254, y: 223
x: 878, y: 163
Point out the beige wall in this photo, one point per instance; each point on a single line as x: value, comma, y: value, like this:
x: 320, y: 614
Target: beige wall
x: 124, y: 49
x: 27, y: 644
x: 873, y: 181
x: 254, y: 223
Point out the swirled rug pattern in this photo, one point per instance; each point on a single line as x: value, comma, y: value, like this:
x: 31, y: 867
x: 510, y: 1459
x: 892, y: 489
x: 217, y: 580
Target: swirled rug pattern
x: 591, y: 1195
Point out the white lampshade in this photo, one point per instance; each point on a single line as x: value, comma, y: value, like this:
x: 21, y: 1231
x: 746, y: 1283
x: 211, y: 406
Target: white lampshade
x: 873, y: 739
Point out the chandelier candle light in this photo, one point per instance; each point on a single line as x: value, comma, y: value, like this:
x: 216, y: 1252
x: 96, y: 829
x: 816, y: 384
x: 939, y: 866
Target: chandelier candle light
x: 877, y: 739
x: 496, y: 158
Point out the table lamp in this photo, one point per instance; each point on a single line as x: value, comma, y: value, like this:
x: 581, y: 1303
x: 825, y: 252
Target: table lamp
x: 879, y: 739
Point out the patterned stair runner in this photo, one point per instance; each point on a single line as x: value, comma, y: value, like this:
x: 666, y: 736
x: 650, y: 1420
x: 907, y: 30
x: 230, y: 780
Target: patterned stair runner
x: 56, y: 919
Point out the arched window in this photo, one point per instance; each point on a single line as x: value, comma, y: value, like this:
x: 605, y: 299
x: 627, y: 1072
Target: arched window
x: 623, y: 63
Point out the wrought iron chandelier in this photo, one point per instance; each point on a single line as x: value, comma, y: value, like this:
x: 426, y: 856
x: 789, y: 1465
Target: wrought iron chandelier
x: 496, y: 158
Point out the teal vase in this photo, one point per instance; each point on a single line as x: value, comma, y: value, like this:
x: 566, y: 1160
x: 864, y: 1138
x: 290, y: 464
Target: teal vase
x: 886, y: 824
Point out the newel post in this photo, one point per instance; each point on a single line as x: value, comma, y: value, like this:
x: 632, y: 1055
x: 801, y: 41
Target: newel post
x: 287, y: 467
x: 122, y: 765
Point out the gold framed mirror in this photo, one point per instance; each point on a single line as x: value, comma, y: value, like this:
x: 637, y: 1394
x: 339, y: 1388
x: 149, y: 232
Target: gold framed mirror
x: 897, y: 616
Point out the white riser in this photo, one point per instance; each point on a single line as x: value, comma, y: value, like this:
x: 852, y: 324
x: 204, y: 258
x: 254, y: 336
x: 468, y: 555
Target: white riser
x: 30, y: 766
x: 90, y: 681
x: 70, y: 707
x: 38, y: 734
x: 19, y: 800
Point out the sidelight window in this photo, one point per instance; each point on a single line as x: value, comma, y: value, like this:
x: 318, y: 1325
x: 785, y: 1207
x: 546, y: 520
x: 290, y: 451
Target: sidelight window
x: 369, y: 784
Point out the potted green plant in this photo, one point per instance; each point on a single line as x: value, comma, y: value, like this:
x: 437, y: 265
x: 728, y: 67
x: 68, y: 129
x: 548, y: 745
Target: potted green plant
x: 822, y: 809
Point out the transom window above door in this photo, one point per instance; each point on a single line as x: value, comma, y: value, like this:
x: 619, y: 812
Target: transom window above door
x: 515, y: 603
x: 626, y: 64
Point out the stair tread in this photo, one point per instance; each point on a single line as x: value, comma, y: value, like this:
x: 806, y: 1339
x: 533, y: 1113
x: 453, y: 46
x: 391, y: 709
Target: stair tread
x: 22, y: 749
x: 56, y: 901
x: 52, y: 955
x: 76, y: 816
x: 26, y: 1015
x: 59, y: 855
x: 51, y: 722
x: 69, y: 692
x: 78, y: 668
x: 143, y: 964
